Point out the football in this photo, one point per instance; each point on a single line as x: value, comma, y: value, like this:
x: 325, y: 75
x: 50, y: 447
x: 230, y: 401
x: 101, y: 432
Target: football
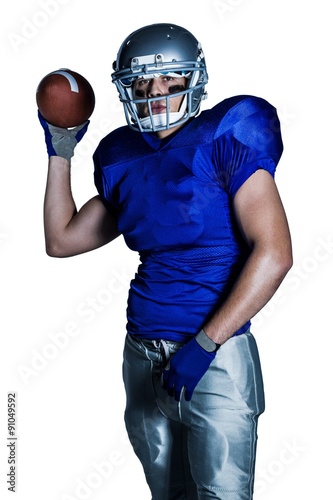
x: 65, y: 98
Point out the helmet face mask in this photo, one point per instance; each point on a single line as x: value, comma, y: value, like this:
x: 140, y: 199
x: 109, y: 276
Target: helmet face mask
x: 151, y: 52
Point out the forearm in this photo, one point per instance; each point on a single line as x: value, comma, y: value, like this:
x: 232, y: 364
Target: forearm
x: 257, y: 283
x: 59, y: 205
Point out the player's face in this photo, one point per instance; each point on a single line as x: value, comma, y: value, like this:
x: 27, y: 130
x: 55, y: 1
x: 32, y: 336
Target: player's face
x: 144, y: 88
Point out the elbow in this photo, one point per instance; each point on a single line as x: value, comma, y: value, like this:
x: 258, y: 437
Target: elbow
x: 281, y: 263
x: 285, y: 265
x: 54, y: 249
x: 286, y: 259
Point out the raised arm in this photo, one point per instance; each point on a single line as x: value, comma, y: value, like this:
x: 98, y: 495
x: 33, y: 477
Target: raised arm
x: 68, y: 231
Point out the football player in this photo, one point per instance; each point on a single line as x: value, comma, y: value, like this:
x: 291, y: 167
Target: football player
x: 192, y: 192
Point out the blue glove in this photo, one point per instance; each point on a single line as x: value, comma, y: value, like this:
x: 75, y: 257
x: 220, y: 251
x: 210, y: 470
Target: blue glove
x: 188, y: 366
x: 62, y: 141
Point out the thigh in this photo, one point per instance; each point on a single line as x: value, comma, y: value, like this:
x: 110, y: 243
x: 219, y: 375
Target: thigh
x: 159, y: 442
x: 223, y: 416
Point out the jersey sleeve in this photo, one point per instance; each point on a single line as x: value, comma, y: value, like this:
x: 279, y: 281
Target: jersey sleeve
x: 248, y: 138
x: 100, y: 180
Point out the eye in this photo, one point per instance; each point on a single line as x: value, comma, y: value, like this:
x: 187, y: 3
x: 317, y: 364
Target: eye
x: 142, y: 81
x: 168, y: 78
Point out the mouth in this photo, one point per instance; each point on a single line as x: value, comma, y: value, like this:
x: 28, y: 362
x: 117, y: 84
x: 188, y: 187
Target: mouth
x: 158, y: 108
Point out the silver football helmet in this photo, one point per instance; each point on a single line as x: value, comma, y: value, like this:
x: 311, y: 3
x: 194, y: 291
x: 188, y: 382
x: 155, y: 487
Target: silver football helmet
x: 154, y: 50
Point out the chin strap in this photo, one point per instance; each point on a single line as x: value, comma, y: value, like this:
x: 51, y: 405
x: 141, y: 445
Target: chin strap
x: 159, y: 120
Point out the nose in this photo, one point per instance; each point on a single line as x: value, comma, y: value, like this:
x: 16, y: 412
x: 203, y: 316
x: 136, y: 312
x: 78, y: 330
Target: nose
x: 155, y: 88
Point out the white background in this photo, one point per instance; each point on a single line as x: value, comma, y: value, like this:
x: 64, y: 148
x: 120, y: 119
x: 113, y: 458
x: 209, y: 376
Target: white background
x: 63, y: 321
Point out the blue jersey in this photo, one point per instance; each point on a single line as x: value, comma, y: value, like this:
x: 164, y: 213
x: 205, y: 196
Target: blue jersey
x: 174, y: 198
